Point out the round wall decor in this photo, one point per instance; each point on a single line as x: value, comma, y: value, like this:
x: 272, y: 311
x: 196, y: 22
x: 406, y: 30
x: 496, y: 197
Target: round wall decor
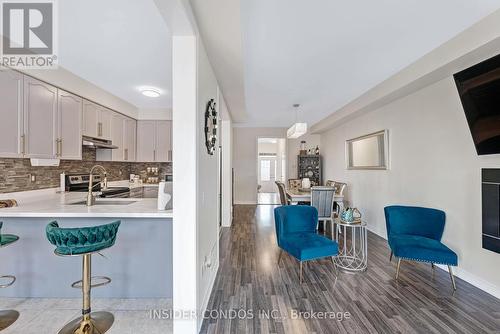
x: 211, y: 126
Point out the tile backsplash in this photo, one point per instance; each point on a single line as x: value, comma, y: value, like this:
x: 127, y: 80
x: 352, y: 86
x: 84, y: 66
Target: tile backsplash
x: 15, y: 174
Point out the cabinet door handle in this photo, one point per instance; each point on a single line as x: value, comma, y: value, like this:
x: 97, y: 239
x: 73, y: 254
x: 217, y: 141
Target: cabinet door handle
x: 60, y: 147
x: 23, y: 144
x: 99, y: 129
x: 169, y: 155
x: 126, y: 154
x: 154, y: 155
x: 57, y: 147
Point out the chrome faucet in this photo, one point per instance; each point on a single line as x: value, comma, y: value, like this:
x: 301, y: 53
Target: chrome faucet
x: 90, y: 195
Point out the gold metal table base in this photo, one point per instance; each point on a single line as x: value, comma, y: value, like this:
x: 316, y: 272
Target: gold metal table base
x: 7, y: 318
x: 98, y: 323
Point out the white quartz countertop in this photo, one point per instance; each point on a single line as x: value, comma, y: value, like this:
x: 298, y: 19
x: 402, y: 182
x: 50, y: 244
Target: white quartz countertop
x: 131, y: 185
x: 48, y: 203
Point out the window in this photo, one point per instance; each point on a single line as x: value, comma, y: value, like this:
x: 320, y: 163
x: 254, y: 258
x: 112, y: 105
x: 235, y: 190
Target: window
x: 265, y: 170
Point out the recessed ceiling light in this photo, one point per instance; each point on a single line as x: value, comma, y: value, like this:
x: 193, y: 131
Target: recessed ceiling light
x: 150, y: 92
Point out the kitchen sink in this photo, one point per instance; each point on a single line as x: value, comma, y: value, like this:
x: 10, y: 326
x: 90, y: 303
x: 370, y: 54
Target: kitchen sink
x: 100, y: 202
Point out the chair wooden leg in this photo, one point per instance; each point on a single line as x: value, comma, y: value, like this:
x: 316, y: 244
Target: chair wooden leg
x: 452, y: 278
x: 279, y: 256
x: 390, y: 257
x: 397, y: 270
x: 300, y: 273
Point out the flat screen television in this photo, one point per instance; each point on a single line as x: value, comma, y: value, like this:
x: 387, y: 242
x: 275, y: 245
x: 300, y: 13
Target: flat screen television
x: 479, y: 89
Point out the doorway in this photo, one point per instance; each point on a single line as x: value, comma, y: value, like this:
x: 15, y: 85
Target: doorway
x: 271, y: 167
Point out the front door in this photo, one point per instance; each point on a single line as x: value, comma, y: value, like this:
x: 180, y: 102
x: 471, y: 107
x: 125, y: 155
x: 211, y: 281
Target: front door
x: 267, y: 177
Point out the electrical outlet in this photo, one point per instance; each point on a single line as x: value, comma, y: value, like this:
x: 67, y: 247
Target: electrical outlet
x: 32, y: 177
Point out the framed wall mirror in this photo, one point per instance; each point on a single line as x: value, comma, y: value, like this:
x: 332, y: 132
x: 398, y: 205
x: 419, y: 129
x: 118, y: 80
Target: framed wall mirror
x: 368, y: 152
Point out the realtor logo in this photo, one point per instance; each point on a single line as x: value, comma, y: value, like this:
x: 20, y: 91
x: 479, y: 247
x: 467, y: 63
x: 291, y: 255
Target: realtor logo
x: 28, y: 34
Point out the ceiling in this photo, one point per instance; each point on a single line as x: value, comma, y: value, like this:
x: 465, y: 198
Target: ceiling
x: 118, y: 45
x: 219, y: 23
x: 323, y: 54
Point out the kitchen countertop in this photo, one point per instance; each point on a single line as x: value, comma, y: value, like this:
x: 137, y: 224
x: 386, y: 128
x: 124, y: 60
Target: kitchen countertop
x: 48, y: 203
x: 131, y: 185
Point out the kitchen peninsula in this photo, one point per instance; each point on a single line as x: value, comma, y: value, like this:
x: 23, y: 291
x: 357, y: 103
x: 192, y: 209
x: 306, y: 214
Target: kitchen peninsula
x: 139, y: 264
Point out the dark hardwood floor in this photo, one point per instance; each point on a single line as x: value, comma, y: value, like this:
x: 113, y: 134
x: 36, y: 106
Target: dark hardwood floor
x: 249, y: 281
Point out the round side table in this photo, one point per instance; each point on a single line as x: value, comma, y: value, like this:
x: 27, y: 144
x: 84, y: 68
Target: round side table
x: 353, y: 246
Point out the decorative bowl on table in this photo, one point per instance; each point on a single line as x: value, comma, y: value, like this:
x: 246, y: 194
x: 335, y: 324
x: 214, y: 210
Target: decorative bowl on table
x: 350, y: 216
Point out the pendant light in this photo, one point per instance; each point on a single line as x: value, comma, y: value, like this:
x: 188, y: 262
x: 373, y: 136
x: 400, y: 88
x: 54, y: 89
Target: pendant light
x: 297, y: 129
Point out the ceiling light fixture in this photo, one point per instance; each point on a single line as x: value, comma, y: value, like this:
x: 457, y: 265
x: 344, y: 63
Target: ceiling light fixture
x: 297, y: 129
x: 150, y: 92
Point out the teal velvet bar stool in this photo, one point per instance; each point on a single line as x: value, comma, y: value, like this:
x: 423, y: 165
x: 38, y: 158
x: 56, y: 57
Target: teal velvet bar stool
x: 84, y: 242
x: 7, y: 317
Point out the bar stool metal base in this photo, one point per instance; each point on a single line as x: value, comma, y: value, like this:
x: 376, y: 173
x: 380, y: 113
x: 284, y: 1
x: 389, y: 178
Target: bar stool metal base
x: 99, y: 323
x: 7, y: 318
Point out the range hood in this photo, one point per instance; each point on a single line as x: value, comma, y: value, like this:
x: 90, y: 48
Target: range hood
x: 97, y: 143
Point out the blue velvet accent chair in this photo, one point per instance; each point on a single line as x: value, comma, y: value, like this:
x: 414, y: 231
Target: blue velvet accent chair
x: 414, y: 234
x: 296, y: 234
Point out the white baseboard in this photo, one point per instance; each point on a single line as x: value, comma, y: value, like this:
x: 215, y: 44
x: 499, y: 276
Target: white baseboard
x: 466, y: 276
x: 474, y: 280
x: 206, y: 298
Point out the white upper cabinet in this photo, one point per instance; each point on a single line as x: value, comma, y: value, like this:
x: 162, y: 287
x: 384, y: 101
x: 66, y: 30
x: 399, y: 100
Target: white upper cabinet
x: 154, y: 141
x: 40, y: 119
x: 11, y: 113
x: 117, y: 135
x: 105, y: 121
x: 97, y: 120
x: 146, y: 141
x: 163, y: 141
x: 129, y: 139
x: 69, y: 126
x: 90, y: 119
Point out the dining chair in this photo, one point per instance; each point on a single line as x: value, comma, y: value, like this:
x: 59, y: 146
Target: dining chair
x: 322, y: 198
x: 414, y: 234
x: 282, y: 192
x: 330, y: 183
x: 296, y: 234
x: 294, y: 183
x: 340, y: 188
x: 339, y: 191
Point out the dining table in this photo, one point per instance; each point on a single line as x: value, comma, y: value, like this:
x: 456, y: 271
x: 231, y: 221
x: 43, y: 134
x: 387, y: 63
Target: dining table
x: 295, y: 196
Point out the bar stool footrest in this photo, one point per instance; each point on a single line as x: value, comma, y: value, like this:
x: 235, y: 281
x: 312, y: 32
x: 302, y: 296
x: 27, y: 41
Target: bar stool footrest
x: 104, y: 281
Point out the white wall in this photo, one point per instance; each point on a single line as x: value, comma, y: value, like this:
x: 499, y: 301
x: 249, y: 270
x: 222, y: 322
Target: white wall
x: 155, y: 114
x: 185, y: 140
x: 245, y: 160
x: 207, y: 189
x: 433, y: 163
x: 227, y: 165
